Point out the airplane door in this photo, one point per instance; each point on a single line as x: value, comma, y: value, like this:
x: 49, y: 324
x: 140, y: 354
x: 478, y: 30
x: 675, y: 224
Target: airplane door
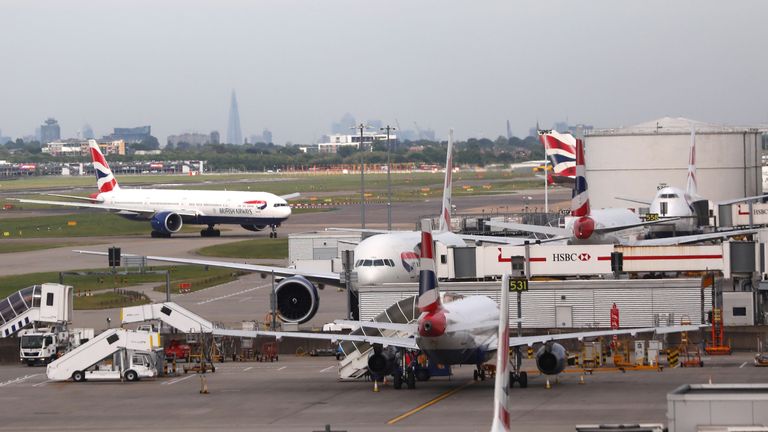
x: 564, y: 316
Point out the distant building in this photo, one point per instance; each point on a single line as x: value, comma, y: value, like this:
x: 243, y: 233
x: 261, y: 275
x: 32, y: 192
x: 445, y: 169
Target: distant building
x: 265, y: 137
x: 338, y: 141
x: 132, y: 135
x: 192, y: 139
x: 88, y: 132
x: 342, y: 126
x: 50, y: 131
x: 75, y: 147
x: 234, y: 133
x: 4, y: 139
x: 215, y: 138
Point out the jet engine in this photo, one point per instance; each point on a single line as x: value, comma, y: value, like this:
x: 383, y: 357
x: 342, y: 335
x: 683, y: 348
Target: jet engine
x: 551, y: 358
x: 297, y: 299
x: 382, y: 361
x: 166, y: 222
x: 254, y: 227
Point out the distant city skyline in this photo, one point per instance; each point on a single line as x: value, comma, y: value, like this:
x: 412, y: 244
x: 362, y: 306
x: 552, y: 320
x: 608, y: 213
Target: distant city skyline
x: 436, y: 64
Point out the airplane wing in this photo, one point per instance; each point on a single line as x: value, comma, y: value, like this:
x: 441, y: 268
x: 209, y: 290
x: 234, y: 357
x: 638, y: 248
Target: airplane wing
x: 633, y: 200
x: 85, y: 205
x: 74, y: 197
x: 634, y: 225
x: 538, y: 229
x: 361, y: 230
x: 325, y: 278
x: 514, y: 241
x: 407, y: 328
x: 290, y: 196
x: 408, y: 343
x: 746, y: 199
x: 694, y: 238
x: 531, y: 340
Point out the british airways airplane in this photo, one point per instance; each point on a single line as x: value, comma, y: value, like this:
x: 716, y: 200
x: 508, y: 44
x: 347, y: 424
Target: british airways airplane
x: 169, y: 209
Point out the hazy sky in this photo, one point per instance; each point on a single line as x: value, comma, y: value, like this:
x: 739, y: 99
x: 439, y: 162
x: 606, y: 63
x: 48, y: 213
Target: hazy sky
x: 297, y: 66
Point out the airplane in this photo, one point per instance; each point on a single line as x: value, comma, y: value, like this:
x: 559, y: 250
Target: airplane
x: 560, y: 150
x: 387, y: 257
x: 451, y: 330
x: 685, y: 209
x: 168, y: 210
x: 606, y: 226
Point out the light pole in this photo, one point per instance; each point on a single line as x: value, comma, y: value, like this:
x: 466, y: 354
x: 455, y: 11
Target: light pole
x: 362, y: 127
x: 389, y: 128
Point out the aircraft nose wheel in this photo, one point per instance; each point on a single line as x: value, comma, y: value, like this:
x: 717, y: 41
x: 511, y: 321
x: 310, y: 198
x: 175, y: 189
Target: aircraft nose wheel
x: 273, y: 234
x: 521, y: 378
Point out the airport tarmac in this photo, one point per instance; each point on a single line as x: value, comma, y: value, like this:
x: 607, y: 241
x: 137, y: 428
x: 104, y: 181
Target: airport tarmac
x: 304, y: 394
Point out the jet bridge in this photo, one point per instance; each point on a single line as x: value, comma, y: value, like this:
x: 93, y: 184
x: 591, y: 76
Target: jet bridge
x: 102, y: 346
x: 170, y: 313
x: 46, y: 303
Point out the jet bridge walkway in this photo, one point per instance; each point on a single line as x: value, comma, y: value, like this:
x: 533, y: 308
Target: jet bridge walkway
x: 169, y: 313
x: 46, y: 303
x: 100, y: 347
x: 355, y: 363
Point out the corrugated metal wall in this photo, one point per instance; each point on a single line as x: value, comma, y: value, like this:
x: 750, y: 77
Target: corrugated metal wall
x: 639, y: 301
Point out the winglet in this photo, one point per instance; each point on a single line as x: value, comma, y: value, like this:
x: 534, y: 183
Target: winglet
x: 445, y: 213
x: 501, y: 417
x: 429, y: 296
x: 105, y: 180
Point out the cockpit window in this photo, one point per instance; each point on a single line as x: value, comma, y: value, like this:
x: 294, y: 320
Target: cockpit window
x: 280, y: 205
x: 668, y: 195
x: 358, y: 263
x: 390, y: 263
x: 367, y: 263
x: 378, y: 263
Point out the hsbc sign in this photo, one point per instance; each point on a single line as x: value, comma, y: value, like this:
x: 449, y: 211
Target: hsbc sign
x: 568, y: 257
x: 549, y: 260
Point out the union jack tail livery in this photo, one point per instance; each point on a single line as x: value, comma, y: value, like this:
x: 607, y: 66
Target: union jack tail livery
x: 445, y: 214
x: 501, y: 417
x: 561, y: 152
x: 580, y: 201
x: 429, y: 297
x: 690, y: 187
x: 105, y: 180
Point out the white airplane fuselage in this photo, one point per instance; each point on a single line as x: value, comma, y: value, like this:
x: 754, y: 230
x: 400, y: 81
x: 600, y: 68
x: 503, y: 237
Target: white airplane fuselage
x: 464, y: 346
x: 393, y: 257
x: 202, y: 206
x: 672, y: 202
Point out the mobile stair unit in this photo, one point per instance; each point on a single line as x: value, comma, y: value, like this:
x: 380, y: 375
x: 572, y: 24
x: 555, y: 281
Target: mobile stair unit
x: 75, y: 363
x: 169, y: 313
x: 355, y: 363
x: 46, y: 303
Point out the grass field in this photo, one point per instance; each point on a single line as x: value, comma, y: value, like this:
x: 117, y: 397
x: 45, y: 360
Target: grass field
x: 192, y: 274
x: 6, y: 247
x: 265, y: 248
x: 110, y: 299
x: 81, y: 224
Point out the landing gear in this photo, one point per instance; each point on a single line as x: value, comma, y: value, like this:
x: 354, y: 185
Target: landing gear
x: 520, y: 377
x: 273, y: 234
x: 404, y: 371
x: 210, y: 232
x: 479, y: 374
x: 158, y: 234
x: 410, y: 379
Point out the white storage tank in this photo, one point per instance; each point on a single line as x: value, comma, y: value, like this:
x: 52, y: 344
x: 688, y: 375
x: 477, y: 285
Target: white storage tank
x: 632, y: 161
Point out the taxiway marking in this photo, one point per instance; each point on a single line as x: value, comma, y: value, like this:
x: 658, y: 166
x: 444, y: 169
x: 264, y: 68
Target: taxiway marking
x: 282, y: 368
x: 177, y: 380
x: 743, y: 364
x: 430, y: 403
x: 210, y: 300
x: 18, y: 380
x: 248, y: 368
x: 328, y: 368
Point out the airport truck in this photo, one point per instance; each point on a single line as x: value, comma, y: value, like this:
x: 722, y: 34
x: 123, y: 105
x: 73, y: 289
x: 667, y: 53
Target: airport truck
x: 43, y: 345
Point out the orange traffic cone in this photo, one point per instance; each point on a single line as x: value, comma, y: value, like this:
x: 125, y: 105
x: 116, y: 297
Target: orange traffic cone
x: 548, y: 385
x: 203, y: 384
x: 376, y: 386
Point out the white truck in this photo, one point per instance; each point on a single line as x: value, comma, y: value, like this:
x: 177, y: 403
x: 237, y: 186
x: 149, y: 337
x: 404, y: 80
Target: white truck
x: 45, y: 344
x: 130, y: 365
x: 114, y: 354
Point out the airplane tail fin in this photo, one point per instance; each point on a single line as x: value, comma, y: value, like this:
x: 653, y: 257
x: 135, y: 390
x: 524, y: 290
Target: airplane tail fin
x: 560, y: 149
x: 105, y: 180
x: 691, y: 186
x: 580, y: 201
x: 429, y: 296
x: 501, y: 417
x: 445, y: 213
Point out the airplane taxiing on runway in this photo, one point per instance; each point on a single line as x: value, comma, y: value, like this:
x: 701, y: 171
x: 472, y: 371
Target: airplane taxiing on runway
x: 385, y: 257
x: 168, y: 209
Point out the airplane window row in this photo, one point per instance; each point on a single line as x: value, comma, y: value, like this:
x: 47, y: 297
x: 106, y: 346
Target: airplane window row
x: 281, y: 205
x: 375, y: 263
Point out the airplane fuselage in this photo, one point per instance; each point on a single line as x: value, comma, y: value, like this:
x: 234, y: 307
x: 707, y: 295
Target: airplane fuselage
x: 393, y: 257
x: 672, y: 202
x: 464, y: 346
x: 202, y: 206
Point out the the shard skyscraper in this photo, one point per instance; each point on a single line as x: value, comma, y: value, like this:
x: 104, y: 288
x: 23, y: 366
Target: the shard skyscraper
x: 234, y: 134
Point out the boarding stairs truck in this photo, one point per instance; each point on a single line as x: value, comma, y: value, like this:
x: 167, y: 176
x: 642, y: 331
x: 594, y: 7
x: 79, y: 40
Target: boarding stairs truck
x: 114, y: 354
x: 47, y: 303
x: 169, y: 313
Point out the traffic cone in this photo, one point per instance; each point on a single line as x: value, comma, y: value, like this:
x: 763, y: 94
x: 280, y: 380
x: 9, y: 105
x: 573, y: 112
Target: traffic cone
x: 376, y: 386
x: 203, y: 384
x: 710, y: 379
x: 581, y: 379
x: 548, y: 385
